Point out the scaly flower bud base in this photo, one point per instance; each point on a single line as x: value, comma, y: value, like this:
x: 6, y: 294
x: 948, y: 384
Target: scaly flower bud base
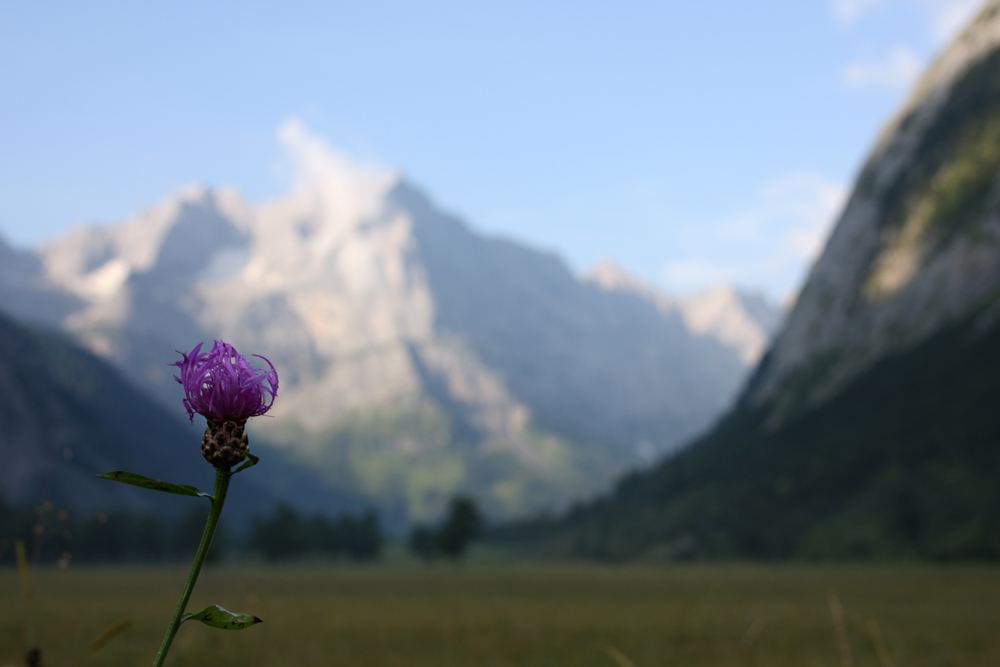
x: 225, y: 442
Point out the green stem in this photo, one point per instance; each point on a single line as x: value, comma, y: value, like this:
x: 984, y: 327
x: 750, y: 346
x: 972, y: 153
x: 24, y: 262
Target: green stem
x: 218, y: 499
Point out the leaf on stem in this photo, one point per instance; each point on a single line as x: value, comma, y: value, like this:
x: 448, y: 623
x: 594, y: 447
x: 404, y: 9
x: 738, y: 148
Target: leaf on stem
x: 154, y: 484
x: 218, y: 617
x: 249, y: 463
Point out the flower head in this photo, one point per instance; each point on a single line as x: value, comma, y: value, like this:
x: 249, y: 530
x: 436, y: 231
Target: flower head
x: 223, y: 385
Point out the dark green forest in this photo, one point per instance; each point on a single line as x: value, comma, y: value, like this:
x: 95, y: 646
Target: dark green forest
x: 902, y: 464
x: 58, y: 536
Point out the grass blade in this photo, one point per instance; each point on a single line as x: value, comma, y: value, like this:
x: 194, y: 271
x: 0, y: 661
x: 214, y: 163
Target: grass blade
x: 619, y: 657
x: 878, y: 641
x: 108, y: 634
x: 840, y: 627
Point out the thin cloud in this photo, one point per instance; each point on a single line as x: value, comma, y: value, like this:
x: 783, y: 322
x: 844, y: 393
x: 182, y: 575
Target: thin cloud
x: 943, y: 18
x: 768, y: 245
x: 897, y: 71
x: 352, y: 190
x: 848, y: 11
x: 948, y: 17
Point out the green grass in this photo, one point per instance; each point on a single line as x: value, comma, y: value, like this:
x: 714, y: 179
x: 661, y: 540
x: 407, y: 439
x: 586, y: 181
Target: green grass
x: 518, y: 615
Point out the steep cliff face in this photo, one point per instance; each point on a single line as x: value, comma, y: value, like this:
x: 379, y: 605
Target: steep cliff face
x: 870, y: 428
x: 417, y: 357
x: 918, y: 246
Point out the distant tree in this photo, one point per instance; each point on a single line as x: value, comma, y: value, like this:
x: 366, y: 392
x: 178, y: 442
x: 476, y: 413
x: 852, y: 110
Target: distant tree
x: 461, y: 526
x: 106, y: 537
x: 286, y: 534
x: 322, y: 535
x: 5, y: 514
x: 361, y: 537
x: 52, y: 534
x: 279, y: 536
x: 423, y: 542
x: 147, y: 536
x: 188, y: 531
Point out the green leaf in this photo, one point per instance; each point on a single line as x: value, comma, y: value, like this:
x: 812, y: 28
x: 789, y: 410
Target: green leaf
x: 249, y: 463
x: 218, y: 617
x: 154, y: 484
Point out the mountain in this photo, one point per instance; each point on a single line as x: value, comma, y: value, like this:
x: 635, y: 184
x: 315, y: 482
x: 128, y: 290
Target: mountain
x: 417, y: 357
x: 869, y: 429
x: 743, y: 321
x: 915, y: 250
x: 25, y: 290
x: 67, y: 416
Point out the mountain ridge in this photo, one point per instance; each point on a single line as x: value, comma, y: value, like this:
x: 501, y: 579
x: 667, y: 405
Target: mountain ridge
x: 913, y: 249
x: 418, y: 357
x: 868, y: 430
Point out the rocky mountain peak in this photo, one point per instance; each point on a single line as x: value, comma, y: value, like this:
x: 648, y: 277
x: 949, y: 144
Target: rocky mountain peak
x: 611, y: 277
x: 913, y: 249
x: 869, y: 429
x: 747, y: 321
x: 416, y: 356
x: 175, y: 236
x: 743, y: 320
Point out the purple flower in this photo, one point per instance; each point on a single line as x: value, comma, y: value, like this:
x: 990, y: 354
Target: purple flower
x: 222, y: 384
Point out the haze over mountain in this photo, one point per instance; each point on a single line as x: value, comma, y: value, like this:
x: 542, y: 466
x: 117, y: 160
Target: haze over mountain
x: 870, y: 428
x: 417, y: 357
x: 67, y: 416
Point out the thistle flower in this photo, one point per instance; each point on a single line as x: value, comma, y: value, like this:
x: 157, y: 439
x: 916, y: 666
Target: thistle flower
x: 224, y: 387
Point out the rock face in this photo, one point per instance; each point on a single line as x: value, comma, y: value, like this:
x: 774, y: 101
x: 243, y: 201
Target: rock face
x: 417, y: 358
x: 870, y: 428
x: 743, y: 321
x: 918, y: 245
x: 26, y: 291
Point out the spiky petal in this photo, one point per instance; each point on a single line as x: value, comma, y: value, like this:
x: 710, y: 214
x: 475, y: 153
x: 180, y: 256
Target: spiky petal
x: 222, y: 385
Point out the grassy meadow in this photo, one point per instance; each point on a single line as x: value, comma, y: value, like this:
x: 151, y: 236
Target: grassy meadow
x: 526, y: 615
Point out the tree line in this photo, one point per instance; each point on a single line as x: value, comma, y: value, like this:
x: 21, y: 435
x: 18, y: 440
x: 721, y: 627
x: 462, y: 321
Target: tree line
x: 287, y: 534
x: 461, y: 525
x: 54, y: 535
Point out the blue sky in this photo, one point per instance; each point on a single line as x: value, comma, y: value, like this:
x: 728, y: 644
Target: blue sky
x: 689, y: 142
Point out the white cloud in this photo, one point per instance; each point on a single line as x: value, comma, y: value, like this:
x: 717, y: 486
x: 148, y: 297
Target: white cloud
x: 898, y: 70
x: 315, y: 160
x: 847, y: 11
x: 768, y: 245
x: 351, y: 190
x: 948, y: 17
x: 943, y: 18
